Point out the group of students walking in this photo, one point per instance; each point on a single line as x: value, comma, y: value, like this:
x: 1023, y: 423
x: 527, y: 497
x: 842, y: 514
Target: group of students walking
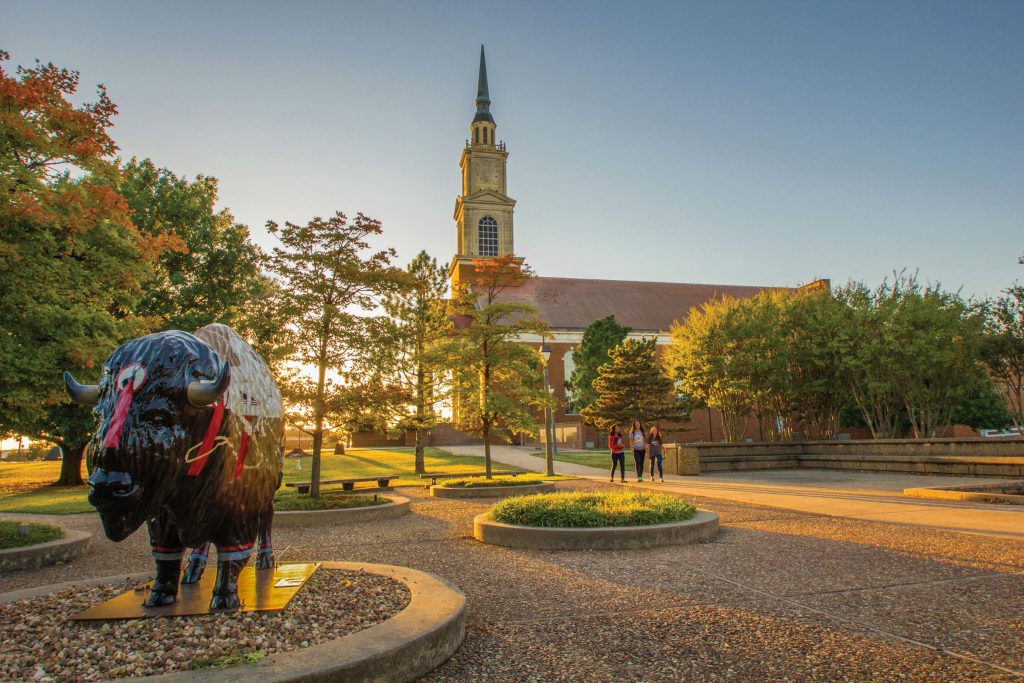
x: 643, y: 444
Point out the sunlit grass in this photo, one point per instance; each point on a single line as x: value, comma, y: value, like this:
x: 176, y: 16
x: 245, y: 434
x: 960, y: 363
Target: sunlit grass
x: 590, y: 510
x: 26, y: 486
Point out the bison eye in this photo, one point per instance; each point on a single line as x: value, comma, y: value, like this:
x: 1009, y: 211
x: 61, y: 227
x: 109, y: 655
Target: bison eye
x: 158, y: 418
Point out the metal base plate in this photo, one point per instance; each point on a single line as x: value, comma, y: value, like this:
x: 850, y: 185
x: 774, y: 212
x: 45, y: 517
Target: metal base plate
x: 259, y: 591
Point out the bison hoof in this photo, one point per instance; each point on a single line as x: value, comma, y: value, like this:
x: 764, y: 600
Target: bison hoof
x: 265, y: 562
x: 229, y: 601
x: 160, y: 599
x: 193, y: 572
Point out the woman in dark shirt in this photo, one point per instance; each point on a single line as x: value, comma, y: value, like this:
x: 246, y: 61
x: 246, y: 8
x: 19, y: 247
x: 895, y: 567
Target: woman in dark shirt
x: 654, y: 451
x: 618, y: 456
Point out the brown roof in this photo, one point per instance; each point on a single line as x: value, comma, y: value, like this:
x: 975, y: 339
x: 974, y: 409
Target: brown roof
x: 571, y: 303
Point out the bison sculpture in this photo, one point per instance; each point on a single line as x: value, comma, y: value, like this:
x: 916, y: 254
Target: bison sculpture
x: 189, y: 441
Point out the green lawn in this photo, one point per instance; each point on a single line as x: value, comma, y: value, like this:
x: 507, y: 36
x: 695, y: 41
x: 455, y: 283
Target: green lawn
x: 600, y: 459
x: 24, y: 487
x: 370, y: 462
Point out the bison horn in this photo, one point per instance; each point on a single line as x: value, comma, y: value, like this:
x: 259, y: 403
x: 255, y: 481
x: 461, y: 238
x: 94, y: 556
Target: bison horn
x: 86, y: 394
x: 204, y: 393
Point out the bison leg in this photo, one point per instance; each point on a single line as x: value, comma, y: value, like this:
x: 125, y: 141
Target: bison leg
x: 167, y: 551
x: 230, y: 560
x: 265, y: 554
x: 196, y: 564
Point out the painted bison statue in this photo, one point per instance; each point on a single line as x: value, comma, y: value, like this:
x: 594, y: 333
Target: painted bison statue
x: 188, y: 440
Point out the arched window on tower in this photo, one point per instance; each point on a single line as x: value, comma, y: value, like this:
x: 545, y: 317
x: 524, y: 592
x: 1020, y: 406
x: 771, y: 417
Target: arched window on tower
x: 488, y: 236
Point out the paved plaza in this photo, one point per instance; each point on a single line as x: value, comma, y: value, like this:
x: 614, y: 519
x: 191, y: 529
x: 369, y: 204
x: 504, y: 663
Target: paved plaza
x: 780, y: 595
x: 873, y: 496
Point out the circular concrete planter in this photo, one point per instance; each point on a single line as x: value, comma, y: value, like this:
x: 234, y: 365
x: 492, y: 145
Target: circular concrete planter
x: 74, y: 544
x: 371, y: 513
x: 702, y: 527
x: 405, y: 647
x: 438, y: 491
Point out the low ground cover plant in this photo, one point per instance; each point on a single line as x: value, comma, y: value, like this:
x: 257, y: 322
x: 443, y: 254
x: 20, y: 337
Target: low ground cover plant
x: 10, y: 537
x: 591, y: 510
x: 328, y: 500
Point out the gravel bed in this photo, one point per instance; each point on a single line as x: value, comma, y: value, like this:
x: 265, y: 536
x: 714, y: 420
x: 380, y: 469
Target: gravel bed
x: 41, y: 643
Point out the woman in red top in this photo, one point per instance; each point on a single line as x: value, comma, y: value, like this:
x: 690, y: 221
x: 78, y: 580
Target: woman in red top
x: 618, y: 456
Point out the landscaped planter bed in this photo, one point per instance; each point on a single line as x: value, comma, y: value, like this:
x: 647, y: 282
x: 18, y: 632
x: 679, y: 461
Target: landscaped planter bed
x: 702, y: 527
x: 395, y: 507
x: 524, y: 489
x: 351, y: 621
x: 594, y: 521
x: 72, y: 545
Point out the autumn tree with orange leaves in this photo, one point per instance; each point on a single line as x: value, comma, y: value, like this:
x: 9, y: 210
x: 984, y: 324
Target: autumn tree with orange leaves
x: 71, y: 262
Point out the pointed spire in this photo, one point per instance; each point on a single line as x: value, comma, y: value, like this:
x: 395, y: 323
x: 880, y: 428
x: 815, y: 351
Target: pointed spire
x: 481, y: 87
x: 483, y: 99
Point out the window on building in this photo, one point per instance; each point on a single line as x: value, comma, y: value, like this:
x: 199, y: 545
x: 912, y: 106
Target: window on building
x: 568, y: 365
x: 488, y: 236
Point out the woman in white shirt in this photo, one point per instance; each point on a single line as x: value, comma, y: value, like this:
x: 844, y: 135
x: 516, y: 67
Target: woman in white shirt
x: 638, y: 440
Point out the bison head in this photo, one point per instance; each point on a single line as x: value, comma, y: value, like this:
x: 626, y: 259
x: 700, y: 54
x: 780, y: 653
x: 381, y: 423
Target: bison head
x: 153, y: 407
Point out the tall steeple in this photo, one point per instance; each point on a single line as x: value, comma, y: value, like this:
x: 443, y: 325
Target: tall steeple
x: 483, y: 99
x: 483, y: 211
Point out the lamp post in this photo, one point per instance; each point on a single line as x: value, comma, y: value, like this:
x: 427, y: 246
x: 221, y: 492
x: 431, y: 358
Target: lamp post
x: 549, y: 453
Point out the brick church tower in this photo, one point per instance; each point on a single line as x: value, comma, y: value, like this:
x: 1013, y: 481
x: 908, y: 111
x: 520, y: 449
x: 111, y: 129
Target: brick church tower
x: 483, y: 212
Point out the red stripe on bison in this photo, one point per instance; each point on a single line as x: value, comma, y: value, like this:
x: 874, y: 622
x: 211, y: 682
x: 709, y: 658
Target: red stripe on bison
x: 206, y: 447
x: 124, y: 402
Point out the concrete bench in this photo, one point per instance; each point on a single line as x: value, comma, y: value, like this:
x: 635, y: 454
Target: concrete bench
x: 383, y: 481
x: 466, y: 475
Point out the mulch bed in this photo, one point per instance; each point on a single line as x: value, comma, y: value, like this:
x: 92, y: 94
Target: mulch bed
x: 41, y: 643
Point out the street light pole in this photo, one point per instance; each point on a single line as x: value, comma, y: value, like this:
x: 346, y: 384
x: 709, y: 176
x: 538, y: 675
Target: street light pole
x: 549, y: 453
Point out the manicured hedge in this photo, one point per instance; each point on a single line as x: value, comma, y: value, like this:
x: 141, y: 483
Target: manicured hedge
x: 480, y: 482
x: 591, y: 510
x: 291, y: 502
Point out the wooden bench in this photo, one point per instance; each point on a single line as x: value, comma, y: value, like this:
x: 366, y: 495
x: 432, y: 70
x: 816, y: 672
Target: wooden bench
x: 383, y: 481
x: 465, y: 475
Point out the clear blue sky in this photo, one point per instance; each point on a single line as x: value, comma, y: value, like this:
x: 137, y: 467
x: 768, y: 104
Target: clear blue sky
x: 725, y: 142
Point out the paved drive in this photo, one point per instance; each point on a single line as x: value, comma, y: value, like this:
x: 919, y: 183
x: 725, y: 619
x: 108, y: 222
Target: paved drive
x: 856, y: 495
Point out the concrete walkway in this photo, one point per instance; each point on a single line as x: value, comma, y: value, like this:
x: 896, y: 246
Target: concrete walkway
x: 856, y: 495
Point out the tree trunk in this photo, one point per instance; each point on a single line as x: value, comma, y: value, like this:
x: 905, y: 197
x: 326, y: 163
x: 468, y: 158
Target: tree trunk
x: 421, y: 439
x: 421, y: 410
x: 487, y: 448
x: 71, y: 464
x: 318, y: 433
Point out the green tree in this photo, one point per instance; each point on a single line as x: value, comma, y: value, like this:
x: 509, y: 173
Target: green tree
x: 814, y: 322
x: 215, y: 276
x: 71, y: 261
x: 982, y: 406
x: 634, y: 386
x: 416, y: 325
x: 936, y: 338
x: 868, y: 352
x: 600, y: 337
x: 328, y: 276
x: 496, y: 379
x: 703, y: 359
x: 1003, y: 347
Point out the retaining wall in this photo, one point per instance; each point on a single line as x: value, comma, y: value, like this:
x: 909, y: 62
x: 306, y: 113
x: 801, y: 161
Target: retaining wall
x: 970, y: 457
